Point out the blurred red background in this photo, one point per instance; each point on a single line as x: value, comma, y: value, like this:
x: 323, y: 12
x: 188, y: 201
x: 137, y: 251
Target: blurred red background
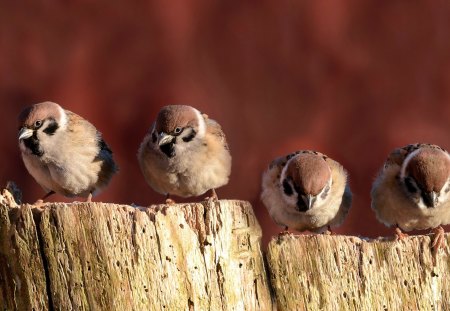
x: 352, y: 79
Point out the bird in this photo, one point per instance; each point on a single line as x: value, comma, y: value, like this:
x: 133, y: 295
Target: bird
x: 63, y: 152
x: 412, y: 191
x: 306, y: 190
x: 184, y: 153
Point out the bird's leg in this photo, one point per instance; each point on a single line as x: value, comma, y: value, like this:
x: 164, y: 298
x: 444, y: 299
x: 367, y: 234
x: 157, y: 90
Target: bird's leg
x: 438, y: 241
x: 89, y: 198
x: 169, y: 200
x: 212, y: 195
x: 40, y: 202
x: 329, y: 231
x: 284, y: 232
x: 399, y: 235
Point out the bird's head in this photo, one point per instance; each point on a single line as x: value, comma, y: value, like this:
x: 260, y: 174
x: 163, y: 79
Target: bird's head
x: 38, y: 122
x: 177, y: 127
x: 306, y: 181
x: 425, y: 176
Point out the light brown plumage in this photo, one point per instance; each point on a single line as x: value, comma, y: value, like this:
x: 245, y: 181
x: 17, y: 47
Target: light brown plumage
x: 306, y: 190
x: 64, y: 152
x: 408, y: 174
x: 185, y: 153
x: 412, y: 191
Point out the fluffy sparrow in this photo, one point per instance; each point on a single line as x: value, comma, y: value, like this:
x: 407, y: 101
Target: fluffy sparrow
x: 184, y: 153
x: 63, y: 152
x: 412, y: 191
x: 306, y: 190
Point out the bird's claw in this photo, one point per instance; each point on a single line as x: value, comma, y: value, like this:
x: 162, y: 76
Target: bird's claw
x: 399, y: 235
x: 438, y: 242
x: 169, y: 201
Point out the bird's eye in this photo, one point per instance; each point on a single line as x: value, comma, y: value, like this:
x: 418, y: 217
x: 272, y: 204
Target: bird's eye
x: 178, y: 130
x: 38, y: 124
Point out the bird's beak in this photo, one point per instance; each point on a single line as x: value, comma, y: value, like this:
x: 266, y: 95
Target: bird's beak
x: 164, y: 139
x: 25, y: 133
x: 429, y: 198
x: 308, y: 200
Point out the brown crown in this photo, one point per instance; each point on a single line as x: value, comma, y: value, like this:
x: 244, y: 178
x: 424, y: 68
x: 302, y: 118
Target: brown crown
x: 171, y: 117
x: 430, y: 168
x: 40, y: 111
x: 309, y: 172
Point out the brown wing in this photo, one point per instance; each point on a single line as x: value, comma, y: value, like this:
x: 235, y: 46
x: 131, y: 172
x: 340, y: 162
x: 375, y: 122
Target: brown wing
x: 215, y: 129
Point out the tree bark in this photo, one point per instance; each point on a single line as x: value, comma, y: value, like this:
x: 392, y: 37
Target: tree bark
x: 320, y: 272
x: 95, y: 256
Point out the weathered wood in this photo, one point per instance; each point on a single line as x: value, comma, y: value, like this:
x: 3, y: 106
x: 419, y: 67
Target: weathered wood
x: 95, y: 256
x: 22, y: 276
x: 320, y: 272
x: 203, y: 256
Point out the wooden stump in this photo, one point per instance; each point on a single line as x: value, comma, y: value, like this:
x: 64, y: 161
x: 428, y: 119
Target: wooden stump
x: 95, y: 256
x: 202, y: 256
x: 320, y: 272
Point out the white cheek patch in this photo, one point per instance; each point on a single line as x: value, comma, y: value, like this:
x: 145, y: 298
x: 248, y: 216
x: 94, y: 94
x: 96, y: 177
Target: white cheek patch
x: 420, y: 204
x: 201, y: 123
x: 289, y: 199
x: 320, y: 200
x: 444, y: 194
x: 406, y: 162
x: 62, y: 118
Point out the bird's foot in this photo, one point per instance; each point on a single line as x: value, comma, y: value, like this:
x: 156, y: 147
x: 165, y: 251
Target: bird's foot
x: 328, y: 231
x: 89, y: 198
x: 39, y: 205
x: 212, y: 196
x: 284, y: 232
x: 399, y: 235
x: 169, y: 201
x: 438, y: 242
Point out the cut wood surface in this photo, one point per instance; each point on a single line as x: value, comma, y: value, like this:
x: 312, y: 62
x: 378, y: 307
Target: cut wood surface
x: 95, y: 256
x: 320, y: 272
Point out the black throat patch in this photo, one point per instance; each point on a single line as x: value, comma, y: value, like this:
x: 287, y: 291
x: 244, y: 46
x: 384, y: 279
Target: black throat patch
x: 32, y: 143
x: 168, y: 149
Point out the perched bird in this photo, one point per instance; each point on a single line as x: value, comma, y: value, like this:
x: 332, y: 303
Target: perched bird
x: 412, y: 191
x: 63, y: 152
x: 184, y: 153
x: 306, y: 190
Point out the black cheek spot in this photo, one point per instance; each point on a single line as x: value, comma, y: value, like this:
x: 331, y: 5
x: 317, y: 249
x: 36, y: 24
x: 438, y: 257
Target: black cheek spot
x: 190, y: 136
x: 325, y: 193
x: 51, y: 128
x: 287, y: 189
x: 154, y: 137
x: 409, y: 185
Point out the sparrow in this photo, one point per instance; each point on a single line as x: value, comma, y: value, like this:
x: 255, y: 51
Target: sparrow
x: 184, y: 153
x: 412, y: 191
x: 306, y: 190
x: 63, y: 152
